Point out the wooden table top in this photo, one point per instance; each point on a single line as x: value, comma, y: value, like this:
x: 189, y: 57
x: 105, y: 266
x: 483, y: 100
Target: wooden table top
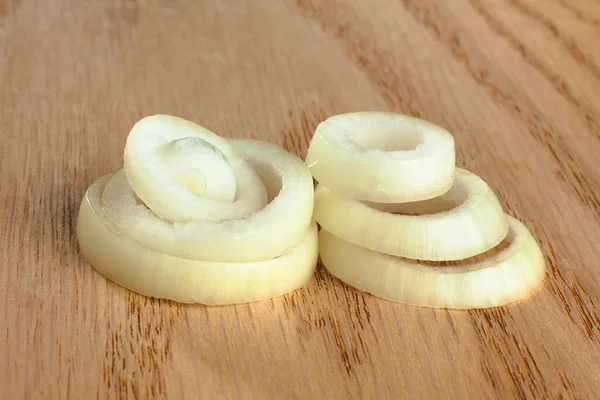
x: 517, y: 82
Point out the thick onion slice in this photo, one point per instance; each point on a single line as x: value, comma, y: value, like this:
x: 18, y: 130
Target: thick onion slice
x: 166, y: 157
x: 510, y: 275
x: 465, y: 221
x: 382, y: 157
x: 267, y: 233
x: 194, y: 217
x: 153, y: 273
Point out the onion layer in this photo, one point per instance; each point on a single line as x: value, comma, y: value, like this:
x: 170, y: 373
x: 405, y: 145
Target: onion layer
x: 215, y: 247
x: 465, y: 221
x: 161, y: 144
x: 261, y: 235
x: 382, y: 157
x: 508, y: 276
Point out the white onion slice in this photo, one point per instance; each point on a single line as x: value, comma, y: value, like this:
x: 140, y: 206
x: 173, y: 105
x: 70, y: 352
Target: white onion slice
x: 264, y: 234
x: 153, y: 273
x: 197, y: 218
x: 160, y: 145
x: 382, y: 157
x: 510, y: 275
x: 465, y: 221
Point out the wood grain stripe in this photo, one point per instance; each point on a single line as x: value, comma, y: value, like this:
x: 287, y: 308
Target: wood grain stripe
x: 300, y: 127
x: 583, y: 16
x: 567, y: 42
x: 571, y: 172
x: 494, y: 328
x: 557, y: 81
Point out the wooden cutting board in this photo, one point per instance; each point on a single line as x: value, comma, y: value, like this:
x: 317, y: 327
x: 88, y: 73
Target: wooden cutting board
x: 516, y: 81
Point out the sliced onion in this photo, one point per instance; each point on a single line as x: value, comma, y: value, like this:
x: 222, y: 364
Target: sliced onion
x: 159, y: 145
x: 261, y: 235
x: 389, y: 194
x: 152, y: 273
x: 465, y: 221
x: 382, y: 157
x: 510, y: 275
x: 197, y: 218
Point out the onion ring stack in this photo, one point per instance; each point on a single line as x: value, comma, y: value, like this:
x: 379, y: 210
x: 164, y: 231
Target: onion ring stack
x: 390, y: 202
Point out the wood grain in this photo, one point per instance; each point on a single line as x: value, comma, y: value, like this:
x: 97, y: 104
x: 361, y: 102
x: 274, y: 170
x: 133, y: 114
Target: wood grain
x: 516, y: 81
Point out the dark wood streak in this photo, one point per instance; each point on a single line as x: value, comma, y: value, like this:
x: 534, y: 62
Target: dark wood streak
x: 489, y: 374
x: 296, y: 133
x: 145, y: 338
x: 8, y: 6
x: 300, y: 127
x: 496, y: 328
x: 351, y: 345
x: 355, y: 311
x: 582, y: 16
x: 556, y: 81
x: 346, y: 328
x: 567, y: 383
x: 575, y: 300
x: 341, y: 346
x: 570, y: 170
x: 451, y: 322
x: 123, y: 17
x: 567, y: 42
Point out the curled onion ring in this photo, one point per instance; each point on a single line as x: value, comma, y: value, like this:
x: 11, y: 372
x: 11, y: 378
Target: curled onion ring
x: 213, y: 245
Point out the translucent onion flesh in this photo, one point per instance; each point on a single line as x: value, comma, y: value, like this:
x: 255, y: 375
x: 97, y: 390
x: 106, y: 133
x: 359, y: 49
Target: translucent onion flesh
x: 197, y: 218
x: 382, y: 157
x: 510, y: 275
x: 152, y: 273
x: 266, y: 233
x: 157, y: 142
x: 465, y: 221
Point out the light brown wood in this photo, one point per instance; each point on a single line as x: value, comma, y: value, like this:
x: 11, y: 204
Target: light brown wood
x: 516, y: 81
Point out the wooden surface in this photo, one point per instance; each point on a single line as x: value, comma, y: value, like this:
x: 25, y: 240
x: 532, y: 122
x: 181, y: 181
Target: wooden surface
x: 516, y: 81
